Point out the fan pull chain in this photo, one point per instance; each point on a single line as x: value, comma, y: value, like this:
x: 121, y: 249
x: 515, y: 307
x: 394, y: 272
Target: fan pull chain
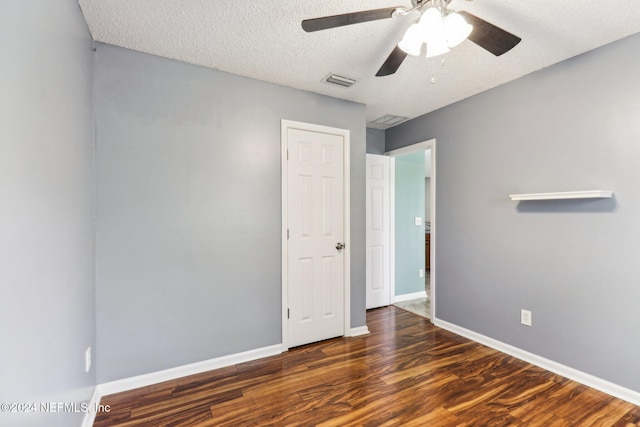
x: 433, y: 73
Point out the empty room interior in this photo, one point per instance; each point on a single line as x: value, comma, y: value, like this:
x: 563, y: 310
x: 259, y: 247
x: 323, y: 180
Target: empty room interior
x: 226, y: 213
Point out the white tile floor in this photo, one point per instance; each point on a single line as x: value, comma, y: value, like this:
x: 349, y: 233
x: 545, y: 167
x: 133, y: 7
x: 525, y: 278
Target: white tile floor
x: 419, y: 306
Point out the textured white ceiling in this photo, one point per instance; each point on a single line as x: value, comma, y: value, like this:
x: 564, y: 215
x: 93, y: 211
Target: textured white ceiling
x: 264, y: 40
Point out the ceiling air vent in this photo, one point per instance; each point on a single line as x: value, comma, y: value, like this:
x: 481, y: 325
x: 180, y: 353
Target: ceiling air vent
x: 388, y: 120
x: 340, y: 80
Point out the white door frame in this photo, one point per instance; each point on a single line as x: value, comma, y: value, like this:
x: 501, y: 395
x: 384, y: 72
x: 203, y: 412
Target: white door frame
x: 420, y: 146
x: 346, y: 135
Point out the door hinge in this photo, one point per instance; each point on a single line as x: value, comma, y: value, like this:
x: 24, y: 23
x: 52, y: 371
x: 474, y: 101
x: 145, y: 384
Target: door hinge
x: 287, y: 234
x: 287, y: 313
x: 287, y: 154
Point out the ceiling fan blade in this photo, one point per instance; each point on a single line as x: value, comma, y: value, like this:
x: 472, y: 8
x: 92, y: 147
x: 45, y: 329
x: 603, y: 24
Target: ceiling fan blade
x: 392, y: 63
x: 488, y: 36
x: 324, y: 23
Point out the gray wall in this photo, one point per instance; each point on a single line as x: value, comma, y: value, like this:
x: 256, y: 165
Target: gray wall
x: 375, y: 141
x: 409, y: 237
x: 47, y: 317
x: 573, y: 126
x: 188, y: 184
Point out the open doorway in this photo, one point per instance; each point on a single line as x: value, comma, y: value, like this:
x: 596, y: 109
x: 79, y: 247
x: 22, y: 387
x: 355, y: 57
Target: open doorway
x: 413, y: 228
x: 427, y: 225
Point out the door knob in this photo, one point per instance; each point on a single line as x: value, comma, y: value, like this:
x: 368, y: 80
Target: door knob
x: 339, y: 246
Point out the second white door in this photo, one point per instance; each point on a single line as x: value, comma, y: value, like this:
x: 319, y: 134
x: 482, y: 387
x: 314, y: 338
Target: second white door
x: 378, y: 205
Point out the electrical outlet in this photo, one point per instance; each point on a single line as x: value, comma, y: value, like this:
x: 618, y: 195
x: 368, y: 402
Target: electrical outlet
x: 421, y: 273
x: 525, y: 317
x: 87, y: 359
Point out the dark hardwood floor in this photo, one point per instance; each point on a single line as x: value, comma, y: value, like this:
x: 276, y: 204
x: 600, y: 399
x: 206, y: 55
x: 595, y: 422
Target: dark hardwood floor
x: 406, y: 372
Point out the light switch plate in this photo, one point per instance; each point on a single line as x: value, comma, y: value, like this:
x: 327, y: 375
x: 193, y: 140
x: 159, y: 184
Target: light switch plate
x: 418, y: 220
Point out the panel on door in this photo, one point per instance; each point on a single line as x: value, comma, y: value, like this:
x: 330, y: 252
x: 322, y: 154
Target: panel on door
x: 378, y: 278
x: 315, y: 215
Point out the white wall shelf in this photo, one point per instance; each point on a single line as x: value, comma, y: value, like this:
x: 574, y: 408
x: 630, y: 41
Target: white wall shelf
x: 590, y: 194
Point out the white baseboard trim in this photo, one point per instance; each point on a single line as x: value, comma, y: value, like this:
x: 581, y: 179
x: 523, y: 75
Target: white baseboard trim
x: 360, y: 330
x: 407, y: 297
x: 152, y: 378
x: 185, y: 370
x: 589, y: 380
x: 90, y: 415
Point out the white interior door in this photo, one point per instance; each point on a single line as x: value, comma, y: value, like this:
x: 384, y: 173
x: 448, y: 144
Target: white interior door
x: 316, y: 230
x: 378, y: 207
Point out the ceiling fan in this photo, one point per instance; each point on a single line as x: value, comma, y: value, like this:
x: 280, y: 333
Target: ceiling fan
x: 484, y: 34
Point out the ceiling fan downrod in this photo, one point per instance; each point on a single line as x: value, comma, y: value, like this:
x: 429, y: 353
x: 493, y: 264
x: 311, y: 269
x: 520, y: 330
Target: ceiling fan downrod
x: 417, y: 4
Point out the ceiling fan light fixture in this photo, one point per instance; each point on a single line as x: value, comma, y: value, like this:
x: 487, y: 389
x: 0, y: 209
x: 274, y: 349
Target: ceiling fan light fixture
x: 434, y: 32
x: 436, y: 46
x: 431, y: 19
x: 412, y: 41
x: 456, y: 29
x: 438, y: 32
x: 453, y: 30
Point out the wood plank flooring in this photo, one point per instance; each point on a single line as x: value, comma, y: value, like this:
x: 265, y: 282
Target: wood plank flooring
x: 406, y: 372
